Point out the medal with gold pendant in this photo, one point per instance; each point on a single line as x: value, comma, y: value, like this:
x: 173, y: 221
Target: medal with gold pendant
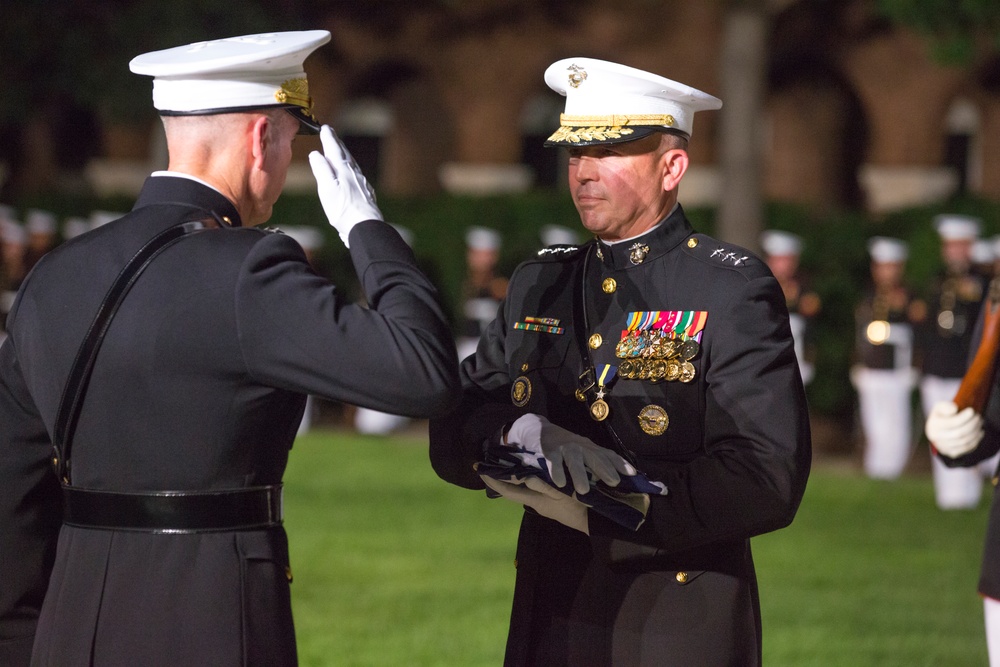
x: 599, y: 409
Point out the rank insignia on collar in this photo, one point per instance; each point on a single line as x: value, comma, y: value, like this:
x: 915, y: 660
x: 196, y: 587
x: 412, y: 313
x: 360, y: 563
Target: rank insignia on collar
x: 637, y: 253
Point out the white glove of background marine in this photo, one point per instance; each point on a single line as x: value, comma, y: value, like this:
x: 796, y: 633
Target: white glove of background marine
x: 561, y: 448
x: 344, y: 192
x: 539, y: 496
x: 954, y: 433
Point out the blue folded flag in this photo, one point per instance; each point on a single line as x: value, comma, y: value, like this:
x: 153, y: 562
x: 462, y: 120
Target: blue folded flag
x: 625, y: 504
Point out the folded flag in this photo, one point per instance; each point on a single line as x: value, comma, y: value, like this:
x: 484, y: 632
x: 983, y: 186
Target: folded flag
x: 625, y: 504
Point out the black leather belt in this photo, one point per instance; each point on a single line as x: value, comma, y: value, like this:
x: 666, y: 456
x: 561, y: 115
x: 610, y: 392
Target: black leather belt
x: 174, y: 511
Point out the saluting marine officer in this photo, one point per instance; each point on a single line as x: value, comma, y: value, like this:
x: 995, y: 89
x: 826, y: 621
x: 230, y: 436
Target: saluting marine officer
x: 654, y: 348
x: 168, y: 408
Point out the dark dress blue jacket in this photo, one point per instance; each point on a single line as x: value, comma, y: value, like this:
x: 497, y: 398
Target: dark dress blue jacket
x: 734, y: 453
x: 200, y: 385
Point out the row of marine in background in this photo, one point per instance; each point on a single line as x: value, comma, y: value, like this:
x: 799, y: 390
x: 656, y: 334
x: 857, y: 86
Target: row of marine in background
x: 904, y: 343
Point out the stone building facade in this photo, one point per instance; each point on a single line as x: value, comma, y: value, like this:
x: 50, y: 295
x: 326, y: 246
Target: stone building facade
x: 857, y: 113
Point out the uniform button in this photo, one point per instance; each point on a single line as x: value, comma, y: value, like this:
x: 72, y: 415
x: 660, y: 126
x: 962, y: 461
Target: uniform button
x: 692, y: 242
x: 995, y: 481
x: 609, y: 285
x: 524, y: 367
x: 515, y: 563
x: 595, y: 341
x: 288, y: 573
x: 226, y: 220
x: 682, y: 577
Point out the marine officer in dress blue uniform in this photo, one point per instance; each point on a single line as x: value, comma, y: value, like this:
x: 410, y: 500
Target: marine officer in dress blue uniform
x: 969, y: 440
x: 782, y: 251
x: 652, y: 349
x: 953, y: 306
x: 482, y: 289
x: 883, y: 374
x: 140, y: 490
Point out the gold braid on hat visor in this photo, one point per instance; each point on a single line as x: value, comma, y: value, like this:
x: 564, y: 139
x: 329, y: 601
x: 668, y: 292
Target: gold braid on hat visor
x: 295, y: 91
x: 574, y: 129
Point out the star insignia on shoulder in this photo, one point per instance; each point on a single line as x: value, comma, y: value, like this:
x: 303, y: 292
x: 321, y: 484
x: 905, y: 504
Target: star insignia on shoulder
x: 557, y: 250
x: 725, y: 256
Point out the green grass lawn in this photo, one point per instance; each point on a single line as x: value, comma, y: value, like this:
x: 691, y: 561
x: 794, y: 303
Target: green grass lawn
x: 395, y: 567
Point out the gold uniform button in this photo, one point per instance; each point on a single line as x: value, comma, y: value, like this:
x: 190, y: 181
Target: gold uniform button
x: 995, y: 481
x: 682, y: 577
x: 288, y: 573
x: 595, y: 341
x: 226, y: 220
x: 609, y: 285
x: 524, y: 367
x: 692, y: 242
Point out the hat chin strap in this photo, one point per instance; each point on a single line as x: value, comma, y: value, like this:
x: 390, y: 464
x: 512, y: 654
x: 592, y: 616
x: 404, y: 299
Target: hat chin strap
x: 617, y: 120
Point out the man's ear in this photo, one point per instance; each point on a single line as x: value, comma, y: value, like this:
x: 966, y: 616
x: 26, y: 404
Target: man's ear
x: 259, y: 140
x: 675, y: 164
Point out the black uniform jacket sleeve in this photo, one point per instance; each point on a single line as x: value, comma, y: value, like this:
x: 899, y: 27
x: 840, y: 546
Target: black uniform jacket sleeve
x: 736, y: 454
x: 30, y: 511
x: 397, y: 356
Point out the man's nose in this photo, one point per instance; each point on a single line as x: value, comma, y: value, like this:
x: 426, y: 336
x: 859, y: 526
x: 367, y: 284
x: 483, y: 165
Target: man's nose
x: 586, y: 169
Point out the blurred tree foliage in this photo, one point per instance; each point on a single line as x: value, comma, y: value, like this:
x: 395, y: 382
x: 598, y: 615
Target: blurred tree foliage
x: 64, y: 72
x: 77, y: 53
x: 956, y: 28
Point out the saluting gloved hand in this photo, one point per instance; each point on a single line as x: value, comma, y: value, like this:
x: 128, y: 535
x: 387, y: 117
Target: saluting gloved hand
x: 954, y: 433
x: 344, y: 192
x: 561, y: 448
x: 539, y: 496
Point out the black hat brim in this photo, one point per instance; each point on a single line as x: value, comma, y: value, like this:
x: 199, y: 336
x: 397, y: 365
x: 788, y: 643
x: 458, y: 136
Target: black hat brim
x: 585, y: 136
x: 307, y: 122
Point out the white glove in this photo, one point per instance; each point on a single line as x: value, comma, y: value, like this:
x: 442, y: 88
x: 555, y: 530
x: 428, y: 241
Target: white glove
x: 561, y: 448
x: 545, y: 500
x: 954, y: 433
x: 344, y: 192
